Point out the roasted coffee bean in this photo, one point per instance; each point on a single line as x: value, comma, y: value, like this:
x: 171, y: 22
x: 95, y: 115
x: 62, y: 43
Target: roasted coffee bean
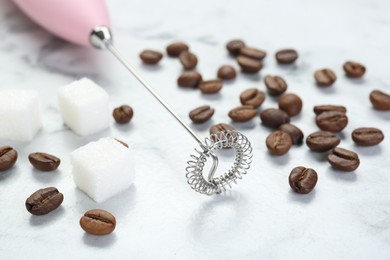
x: 210, y: 86
x: 189, y: 79
x: 322, y: 141
x: 123, y: 143
x: 188, y: 60
x: 174, y: 49
x: 344, y: 159
x: 123, y: 114
x: 324, y: 108
x: 249, y: 65
x: 291, y: 104
x: 278, y: 142
x: 294, y: 132
x: 226, y: 72
x: 219, y: 128
x: 332, y: 121
x: 252, y: 97
x: 150, y: 56
x: 44, y: 161
x: 201, y: 114
x: 354, y: 69
x: 325, y: 77
x: 302, y: 180
x: 98, y: 222
x: 380, y: 100
x: 286, y: 56
x: 8, y: 157
x: 234, y: 46
x: 242, y: 113
x: 275, y: 85
x: 44, y: 201
x: 273, y: 117
x: 253, y: 53
x: 367, y: 136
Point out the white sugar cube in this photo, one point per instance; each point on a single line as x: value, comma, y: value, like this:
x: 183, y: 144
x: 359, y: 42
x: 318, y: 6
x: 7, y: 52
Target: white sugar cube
x: 19, y: 115
x: 103, y: 168
x: 84, y: 106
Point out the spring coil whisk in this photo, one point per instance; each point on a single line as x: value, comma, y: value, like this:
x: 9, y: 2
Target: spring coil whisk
x: 220, y: 140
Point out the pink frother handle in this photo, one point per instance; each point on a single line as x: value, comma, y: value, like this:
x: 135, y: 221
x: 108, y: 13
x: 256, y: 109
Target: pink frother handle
x: 72, y: 20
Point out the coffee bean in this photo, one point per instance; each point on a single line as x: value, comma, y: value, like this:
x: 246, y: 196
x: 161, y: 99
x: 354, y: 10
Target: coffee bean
x: 210, y: 86
x: 367, y: 136
x: 253, y: 53
x: 150, y: 56
x: 8, y: 157
x: 123, y: 143
x: 44, y: 161
x: 234, y: 46
x: 325, y: 77
x: 252, y: 97
x: 189, y: 79
x: 249, y: 65
x: 302, y: 180
x: 294, y: 132
x: 322, y: 141
x: 221, y: 127
x: 275, y: 85
x: 286, y: 56
x: 174, y: 49
x: 188, y: 60
x: 324, y: 108
x: 226, y: 72
x: 201, y: 114
x: 278, y: 142
x: 44, y: 201
x: 123, y: 114
x: 98, y: 222
x: 273, y: 117
x: 354, y: 69
x: 380, y: 100
x: 332, y: 121
x: 291, y: 104
x: 344, y: 159
x: 242, y: 113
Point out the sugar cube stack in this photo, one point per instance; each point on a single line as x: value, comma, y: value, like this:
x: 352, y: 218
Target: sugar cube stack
x: 84, y: 106
x: 102, y: 168
x: 20, y: 115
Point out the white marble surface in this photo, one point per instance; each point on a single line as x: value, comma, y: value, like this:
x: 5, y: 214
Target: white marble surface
x: 347, y: 216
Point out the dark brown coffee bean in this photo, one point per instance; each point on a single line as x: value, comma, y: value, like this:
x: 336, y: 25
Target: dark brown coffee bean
x: 226, y: 72
x: 201, y: 114
x: 234, y: 46
x: 44, y: 201
x: 275, y: 85
x: 273, y: 117
x: 123, y: 143
x: 98, y: 222
x: 344, y: 159
x: 150, y: 56
x: 278, y: 142
x: 189, y: 79
x: 123, y: 114
x: 242, y: 113
x: 380, y: 100
x: 249, y: 65
x: 188, y: 60
x: 252, y: 97
x: 354, y: 69
x: 174, y: 49
x: 332, y: 121
x: 291, y: 104
x: 324, y: 108
x: 367, y: 136
x: 221, y: 127
x: 302, y: 180
x: 286, y: 56
x: 210, y: 86
x: 253, y: 53
x: 44, y: 161
x: 325, y: 77
x: 322, y: 141
x: 8, y: 157
x: 294, y: 132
